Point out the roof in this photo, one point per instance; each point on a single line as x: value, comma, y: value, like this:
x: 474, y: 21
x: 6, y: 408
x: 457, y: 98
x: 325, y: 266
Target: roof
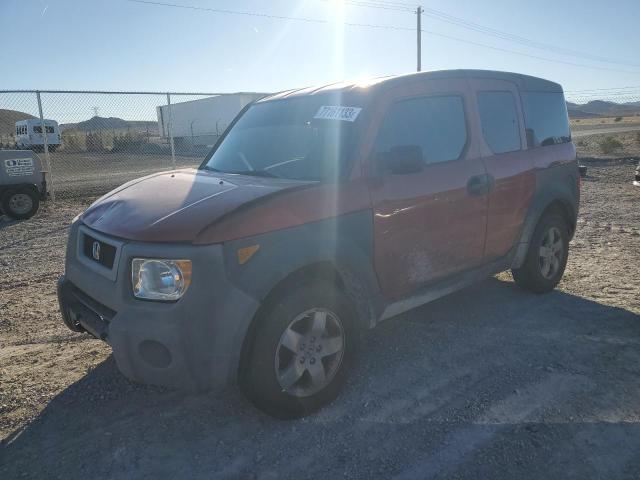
x: 35, y: 120
x: 524, y: 82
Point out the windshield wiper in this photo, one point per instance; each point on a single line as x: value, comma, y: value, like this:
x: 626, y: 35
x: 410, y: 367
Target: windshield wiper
x: 256, y: 173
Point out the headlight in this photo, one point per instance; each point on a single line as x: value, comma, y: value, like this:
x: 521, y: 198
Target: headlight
x: 159, y: 279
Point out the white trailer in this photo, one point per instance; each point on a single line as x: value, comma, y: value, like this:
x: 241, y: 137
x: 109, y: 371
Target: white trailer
x: 200, y: 122
x: 29, y: 134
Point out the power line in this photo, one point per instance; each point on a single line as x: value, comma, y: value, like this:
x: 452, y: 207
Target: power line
x: 371, y: 4
x: 470, y: 42
x: 519, y: 39
x: 230, y: 12
x: 460, y: 22
x: 377, y: 26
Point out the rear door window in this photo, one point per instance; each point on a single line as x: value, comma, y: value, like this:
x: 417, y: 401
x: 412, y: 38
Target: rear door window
x: 499, y: 120
x: 546, y: 119
x: 435, y: 124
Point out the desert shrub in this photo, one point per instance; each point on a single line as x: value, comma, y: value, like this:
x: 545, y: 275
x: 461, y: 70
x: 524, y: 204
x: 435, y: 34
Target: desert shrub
x: 94, y: 142
x: 617, y: 119
x: 73, y: 141
x: 129, y: 142
x: 155, y: 149
x: 638, y: 137
x: 610, y: 145
x: 582, y: 143
x: 577, y: 120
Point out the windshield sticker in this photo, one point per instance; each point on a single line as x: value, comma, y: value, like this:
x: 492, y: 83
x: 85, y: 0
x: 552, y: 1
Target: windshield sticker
x: 18, y: 167
x: 334, y: 112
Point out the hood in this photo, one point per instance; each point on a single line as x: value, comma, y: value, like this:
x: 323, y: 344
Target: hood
x: 176, y: 206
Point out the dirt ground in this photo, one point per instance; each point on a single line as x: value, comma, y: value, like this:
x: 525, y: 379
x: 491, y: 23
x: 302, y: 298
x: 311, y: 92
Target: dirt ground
x: 490, y: 382
x: 591, y: 145
x: 627, y: 120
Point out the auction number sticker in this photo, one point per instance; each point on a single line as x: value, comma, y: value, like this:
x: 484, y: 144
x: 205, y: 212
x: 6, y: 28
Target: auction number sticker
x: 19, y: 167
x: 335, y: 112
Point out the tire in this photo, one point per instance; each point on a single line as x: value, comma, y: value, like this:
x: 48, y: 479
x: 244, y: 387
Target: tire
x: 20, y: 203
x: 583, y: 170
x: 287, y: 384
x: 543, y: 269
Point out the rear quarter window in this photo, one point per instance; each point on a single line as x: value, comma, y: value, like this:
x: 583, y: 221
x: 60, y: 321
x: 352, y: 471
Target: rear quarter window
x: 546, y: 119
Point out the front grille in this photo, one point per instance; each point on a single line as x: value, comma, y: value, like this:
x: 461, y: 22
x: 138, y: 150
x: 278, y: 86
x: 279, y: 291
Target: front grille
x: 99, y: 251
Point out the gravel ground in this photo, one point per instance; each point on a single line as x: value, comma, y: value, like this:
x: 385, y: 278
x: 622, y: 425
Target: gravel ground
x: 490, y: 382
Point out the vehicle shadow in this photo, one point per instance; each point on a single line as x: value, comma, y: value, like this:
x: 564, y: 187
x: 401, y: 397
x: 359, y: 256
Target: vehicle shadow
x: 6, y: 221
x: 488, y: 382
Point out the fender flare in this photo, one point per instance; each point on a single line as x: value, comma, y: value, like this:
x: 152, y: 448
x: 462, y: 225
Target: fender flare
x: 339, y: 249
x: 557, y: 197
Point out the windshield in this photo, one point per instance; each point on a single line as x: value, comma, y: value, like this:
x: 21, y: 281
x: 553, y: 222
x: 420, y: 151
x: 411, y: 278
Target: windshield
x: 304, y: 138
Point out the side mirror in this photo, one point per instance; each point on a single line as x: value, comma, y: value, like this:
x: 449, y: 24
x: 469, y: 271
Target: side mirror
x: 401, y: 160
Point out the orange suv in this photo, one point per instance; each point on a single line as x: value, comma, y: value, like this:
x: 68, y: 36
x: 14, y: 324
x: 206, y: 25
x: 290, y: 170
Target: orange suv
x: 320, y: 213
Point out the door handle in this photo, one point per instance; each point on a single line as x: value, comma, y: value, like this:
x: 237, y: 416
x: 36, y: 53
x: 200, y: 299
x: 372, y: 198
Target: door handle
x: 480, y: 184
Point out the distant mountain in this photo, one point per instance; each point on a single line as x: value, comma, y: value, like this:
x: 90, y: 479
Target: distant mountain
x: 602, y: 108
x: 8, y: 119
x: 111, y: 123
x: 575, y: 111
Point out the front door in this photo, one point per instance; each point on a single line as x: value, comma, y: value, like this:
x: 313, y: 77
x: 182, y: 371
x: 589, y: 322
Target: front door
x: 429, y: 222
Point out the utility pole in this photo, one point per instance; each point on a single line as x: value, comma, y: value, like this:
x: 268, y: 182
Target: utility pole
x: 419, y: 36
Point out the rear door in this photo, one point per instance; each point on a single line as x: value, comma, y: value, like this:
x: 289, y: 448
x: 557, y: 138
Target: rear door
x: 509, y: 165
x: 427, y: 224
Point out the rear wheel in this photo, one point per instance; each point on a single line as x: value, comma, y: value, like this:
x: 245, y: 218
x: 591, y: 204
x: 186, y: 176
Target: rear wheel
x: 301, y: 350
x: 20, y: 203
x: 547, y: 256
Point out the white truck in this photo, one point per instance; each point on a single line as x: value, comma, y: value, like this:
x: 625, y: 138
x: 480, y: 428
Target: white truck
x: 29, y: 134
x: 199, y: 123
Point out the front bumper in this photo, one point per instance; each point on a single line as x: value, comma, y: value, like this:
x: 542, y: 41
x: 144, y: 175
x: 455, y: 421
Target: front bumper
x: 80, y: 313
x: 193, y: 344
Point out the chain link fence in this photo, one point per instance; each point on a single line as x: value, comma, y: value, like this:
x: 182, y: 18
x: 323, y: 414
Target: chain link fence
x: 606, y: 123
x: 96, y: 141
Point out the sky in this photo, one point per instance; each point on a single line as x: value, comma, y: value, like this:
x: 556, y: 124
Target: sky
x: 124, y: 45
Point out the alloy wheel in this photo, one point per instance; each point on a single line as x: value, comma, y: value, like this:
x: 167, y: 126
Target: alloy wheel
x: 551, y: 253
x: 310, y: 352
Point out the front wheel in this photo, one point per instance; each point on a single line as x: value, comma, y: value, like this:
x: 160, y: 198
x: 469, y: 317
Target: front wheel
x: 547, y: 256
x: 301, y: 350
